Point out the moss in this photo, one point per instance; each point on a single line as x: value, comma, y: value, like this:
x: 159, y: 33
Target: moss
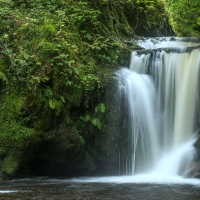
x: 12, y: 104
x: 55, y: 59
x: 10, y: 164
x: 14, y: 136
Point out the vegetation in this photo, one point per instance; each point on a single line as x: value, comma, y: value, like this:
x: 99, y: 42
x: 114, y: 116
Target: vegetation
x: 185, y: 17
x: 56, y: 58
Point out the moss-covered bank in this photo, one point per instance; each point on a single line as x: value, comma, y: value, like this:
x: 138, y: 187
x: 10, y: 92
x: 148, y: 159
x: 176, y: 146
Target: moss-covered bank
x: 56, y: 58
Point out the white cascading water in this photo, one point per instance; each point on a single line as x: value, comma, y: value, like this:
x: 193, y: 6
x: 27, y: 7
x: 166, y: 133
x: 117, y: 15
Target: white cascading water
x: 140, y: 96
x: 162, y: 106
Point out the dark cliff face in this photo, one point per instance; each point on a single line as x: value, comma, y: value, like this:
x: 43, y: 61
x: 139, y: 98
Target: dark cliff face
x: 195, y: 167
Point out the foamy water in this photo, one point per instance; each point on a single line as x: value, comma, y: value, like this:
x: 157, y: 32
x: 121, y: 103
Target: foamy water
x: 147, y: 178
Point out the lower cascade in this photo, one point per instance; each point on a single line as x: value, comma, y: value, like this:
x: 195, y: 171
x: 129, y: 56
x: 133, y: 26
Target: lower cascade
x: 157, y: 108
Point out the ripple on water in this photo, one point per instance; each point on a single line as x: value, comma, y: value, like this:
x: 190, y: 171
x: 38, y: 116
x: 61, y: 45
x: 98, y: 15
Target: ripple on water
x: 104, y: 188
x: 7, y: 191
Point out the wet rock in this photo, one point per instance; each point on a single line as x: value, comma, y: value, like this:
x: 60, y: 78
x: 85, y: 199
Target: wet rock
x: 194, y: 171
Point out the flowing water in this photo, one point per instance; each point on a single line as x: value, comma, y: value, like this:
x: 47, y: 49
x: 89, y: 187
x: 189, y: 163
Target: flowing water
x: 103, y: 188
x: 157, y: 106
x: 160, y: 89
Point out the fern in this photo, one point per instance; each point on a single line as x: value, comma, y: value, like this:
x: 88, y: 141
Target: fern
x: 3, y: 77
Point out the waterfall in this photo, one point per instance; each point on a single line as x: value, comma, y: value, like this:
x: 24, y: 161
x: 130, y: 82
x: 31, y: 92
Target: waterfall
x: 157, y: 102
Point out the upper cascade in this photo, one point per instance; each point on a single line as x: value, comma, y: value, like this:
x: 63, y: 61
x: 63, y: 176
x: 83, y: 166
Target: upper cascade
x: 168, y: 42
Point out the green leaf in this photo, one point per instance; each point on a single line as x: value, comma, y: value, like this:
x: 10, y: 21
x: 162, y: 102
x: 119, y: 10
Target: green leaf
x: 62, y: 99
x: 88, y: 36
x: 103, y: 108
x: 52, y: 103
x: 86, y: 118
x: 96, y: 122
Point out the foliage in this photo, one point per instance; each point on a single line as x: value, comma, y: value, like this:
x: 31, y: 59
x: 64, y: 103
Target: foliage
x: 96, y: 117
x: 54, y: 57
x: 146, y: 17
x: 185, y: 17
x: 14, y: 137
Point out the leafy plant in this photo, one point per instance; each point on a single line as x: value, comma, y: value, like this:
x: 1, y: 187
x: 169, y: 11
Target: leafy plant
x: 184, y: 17
x: 96, y: 117
x: 54, y: 56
